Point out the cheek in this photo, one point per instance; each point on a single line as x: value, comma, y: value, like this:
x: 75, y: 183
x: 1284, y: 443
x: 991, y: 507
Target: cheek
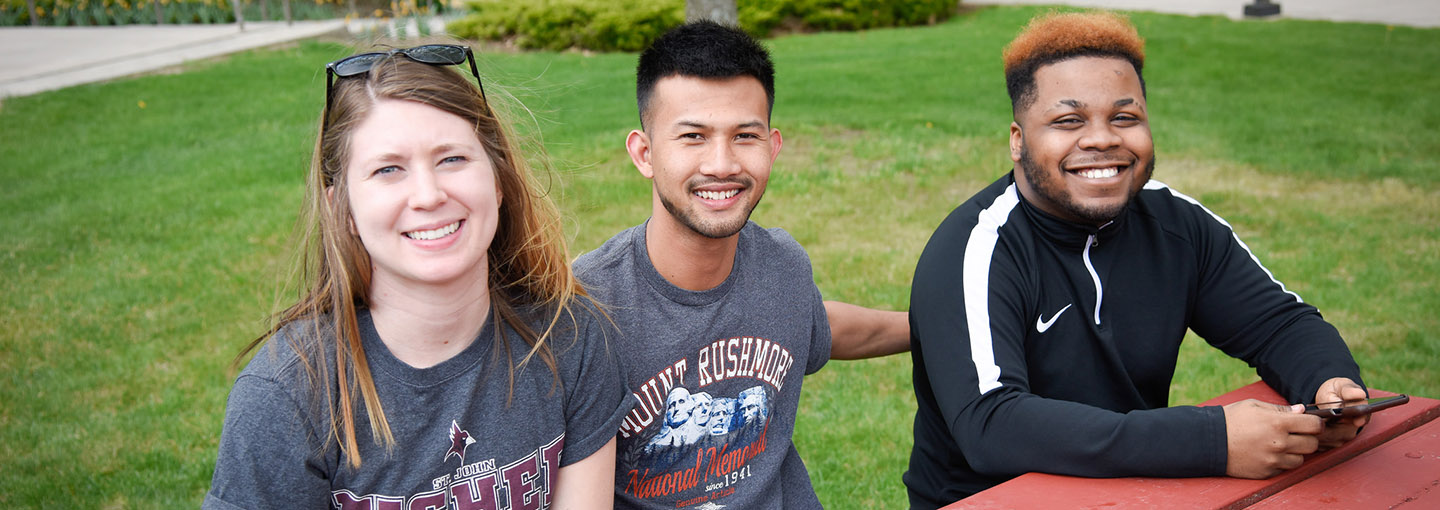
x: 1141, y: 144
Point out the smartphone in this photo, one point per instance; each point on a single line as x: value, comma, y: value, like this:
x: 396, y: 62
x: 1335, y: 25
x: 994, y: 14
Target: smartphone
x: 1351, y: 410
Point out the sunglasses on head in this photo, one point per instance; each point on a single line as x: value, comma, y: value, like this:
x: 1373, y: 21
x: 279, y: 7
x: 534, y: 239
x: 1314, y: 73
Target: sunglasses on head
x: 433, y: 54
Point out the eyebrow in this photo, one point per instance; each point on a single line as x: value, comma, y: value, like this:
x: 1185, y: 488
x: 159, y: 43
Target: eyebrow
x: 447, y: 147
x: 1076, y: 104
x: 701, y: 125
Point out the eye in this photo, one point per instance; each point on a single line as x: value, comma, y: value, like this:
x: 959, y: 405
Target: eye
x: 692, y: 136
x: 385, y: 170
x: 1067, y: 123
x: 454, y: 159
x: 747, y: 136
x: 1126, y: 119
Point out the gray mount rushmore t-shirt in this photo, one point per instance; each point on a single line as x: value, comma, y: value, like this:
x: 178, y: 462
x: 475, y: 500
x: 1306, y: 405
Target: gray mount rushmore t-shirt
x: 716, y: 374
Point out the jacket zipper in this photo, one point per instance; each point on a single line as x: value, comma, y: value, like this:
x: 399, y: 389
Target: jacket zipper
x: 1099, y: 291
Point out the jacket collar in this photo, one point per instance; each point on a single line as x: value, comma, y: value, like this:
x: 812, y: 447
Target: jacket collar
x: 1067, y: 234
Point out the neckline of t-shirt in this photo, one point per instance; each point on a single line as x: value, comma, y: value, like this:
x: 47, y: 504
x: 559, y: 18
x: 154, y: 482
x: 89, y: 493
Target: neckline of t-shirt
x: 383, y: 361
x: 685, y: 296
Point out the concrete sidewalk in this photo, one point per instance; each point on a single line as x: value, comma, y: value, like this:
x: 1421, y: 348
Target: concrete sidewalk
x: 1414, y: 13
x: 37, y: 59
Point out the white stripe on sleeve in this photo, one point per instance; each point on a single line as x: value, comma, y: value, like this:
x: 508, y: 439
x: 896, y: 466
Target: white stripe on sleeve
x: 1157, y: 185
x: 979, y: 251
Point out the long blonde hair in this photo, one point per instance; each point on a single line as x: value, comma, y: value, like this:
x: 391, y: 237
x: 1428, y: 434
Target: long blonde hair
x: 528, y: 264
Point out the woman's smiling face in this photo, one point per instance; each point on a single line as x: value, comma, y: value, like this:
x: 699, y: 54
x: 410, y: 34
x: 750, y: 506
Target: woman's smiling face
x: 422, y: 194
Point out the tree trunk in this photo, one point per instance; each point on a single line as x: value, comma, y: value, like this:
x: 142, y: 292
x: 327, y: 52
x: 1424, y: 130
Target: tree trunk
x: 719, y: 11
x: 159, y: 14
x: 288, y: 19
x: 34, y: 20
x: 239, y: 15
x: 264, y: 10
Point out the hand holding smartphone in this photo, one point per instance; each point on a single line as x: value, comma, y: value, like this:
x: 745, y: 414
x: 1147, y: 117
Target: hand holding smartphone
x: 1332, y: 411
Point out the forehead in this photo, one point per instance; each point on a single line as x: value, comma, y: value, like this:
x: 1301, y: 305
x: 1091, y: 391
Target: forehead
x: 1089, y: 80
x: 689, y: 99
x: 393, y: 123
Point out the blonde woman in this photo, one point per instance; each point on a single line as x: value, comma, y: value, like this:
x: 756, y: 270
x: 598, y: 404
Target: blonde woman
x: 442, y: 353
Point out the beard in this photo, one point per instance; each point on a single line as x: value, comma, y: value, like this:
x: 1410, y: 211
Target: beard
x: 716, y: 229
x: 1048, y: 186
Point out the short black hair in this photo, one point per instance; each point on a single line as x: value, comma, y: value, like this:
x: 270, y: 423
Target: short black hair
x: 702, y: 49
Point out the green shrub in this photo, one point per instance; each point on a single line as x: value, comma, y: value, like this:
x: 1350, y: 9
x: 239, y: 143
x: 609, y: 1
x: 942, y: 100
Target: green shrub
x: 606, y: 25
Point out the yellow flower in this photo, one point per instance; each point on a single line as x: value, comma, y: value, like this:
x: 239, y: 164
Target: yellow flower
x: 39, y: 11
x: 378, y: 13
x: 142, y: 104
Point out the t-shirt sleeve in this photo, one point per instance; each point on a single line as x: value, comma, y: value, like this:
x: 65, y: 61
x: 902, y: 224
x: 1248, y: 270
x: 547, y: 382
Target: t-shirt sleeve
x: 269, y: 455
x: 820, y: 337
x: 597, y: 398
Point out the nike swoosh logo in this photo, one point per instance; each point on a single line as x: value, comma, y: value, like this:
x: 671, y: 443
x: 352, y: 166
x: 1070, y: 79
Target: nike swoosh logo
x: 1041, y: 325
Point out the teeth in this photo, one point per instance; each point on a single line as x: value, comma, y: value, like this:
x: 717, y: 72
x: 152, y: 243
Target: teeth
x: 717, y: 195
x: 431, y: 235
x: 1099, y: 173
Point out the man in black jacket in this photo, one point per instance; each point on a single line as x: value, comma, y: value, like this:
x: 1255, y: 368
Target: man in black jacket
x: 1047, y: 311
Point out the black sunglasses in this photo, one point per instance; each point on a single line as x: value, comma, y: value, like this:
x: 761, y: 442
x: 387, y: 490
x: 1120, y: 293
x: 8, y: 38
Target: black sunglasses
x: 433, y: 54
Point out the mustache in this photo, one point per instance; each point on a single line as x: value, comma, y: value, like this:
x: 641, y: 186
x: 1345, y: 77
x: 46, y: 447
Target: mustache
x: 1105, y: 157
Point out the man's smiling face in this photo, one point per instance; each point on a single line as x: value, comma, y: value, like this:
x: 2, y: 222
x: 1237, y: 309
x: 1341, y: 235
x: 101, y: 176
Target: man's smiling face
x: 708, y: 148
x: 1083, y: 146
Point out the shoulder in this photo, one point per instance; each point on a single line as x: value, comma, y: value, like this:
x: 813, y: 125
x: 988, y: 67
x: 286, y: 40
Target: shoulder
x: 774, y: 241
x: 283, y: 355
x: 1176, y: 212
x: 985, y: 215
x: 287, y: 364
x: 615, y: 252
x: 277, y: 388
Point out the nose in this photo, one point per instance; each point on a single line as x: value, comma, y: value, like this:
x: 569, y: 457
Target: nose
x: 720, y: 161
x: 426, y: 190
x: 1099, y: 136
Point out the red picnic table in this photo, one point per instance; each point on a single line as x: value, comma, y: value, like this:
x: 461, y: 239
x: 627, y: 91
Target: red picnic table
x: 1394, y: 461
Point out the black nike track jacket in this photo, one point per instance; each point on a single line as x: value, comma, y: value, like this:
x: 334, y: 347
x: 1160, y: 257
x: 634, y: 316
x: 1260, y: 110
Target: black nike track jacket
x: 1042, y: 345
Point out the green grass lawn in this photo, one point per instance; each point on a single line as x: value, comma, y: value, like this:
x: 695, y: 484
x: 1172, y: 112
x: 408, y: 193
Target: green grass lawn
x: 146, y: 221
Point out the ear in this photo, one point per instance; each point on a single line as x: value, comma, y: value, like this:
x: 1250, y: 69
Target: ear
x: 1017, y: 141
x: 499, y: 190
x: 638, y: 145
x: 775, y: 142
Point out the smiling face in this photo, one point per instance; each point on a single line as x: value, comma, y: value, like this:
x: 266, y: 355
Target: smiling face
x: 708, y: 148
x: 1083, y: 145
x: 422, y: 191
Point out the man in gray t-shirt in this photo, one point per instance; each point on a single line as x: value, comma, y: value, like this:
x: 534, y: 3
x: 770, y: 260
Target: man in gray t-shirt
x: 718, y: 316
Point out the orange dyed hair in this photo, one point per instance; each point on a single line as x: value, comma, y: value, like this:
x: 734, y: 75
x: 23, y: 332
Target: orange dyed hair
x: 1054, y: 37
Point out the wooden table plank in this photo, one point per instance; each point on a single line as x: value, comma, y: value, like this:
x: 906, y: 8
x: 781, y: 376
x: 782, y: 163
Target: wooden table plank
x: 1040, y: 490
x: 1403, y: 471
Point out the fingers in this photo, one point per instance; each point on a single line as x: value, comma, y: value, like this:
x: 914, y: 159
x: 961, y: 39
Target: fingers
x: 1287, y: 462
x: 1350, y: 392
x: 1337, y: 434
x: 1301, y: 444
x: 1266, y: 439
x: 1339, y: 389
